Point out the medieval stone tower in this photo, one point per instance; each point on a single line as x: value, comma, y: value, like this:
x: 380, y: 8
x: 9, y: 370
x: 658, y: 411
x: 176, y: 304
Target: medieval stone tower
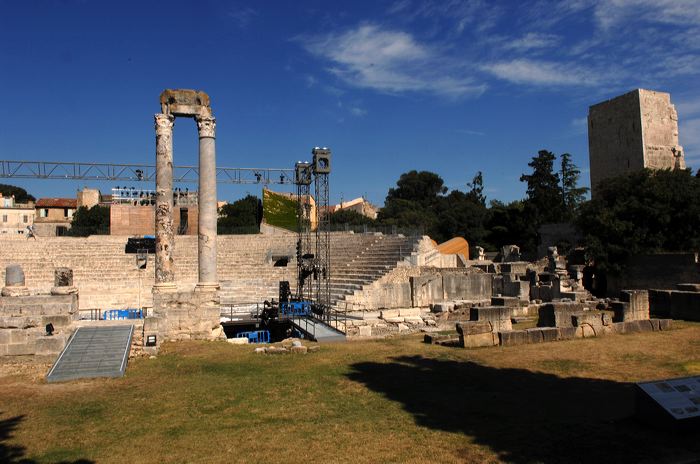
x: 633, y: 131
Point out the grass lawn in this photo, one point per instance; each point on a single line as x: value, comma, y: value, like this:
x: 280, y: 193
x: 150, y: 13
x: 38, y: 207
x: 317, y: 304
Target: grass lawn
x: 395, y: 400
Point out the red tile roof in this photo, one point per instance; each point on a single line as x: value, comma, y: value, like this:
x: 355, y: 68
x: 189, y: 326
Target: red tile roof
x: 57, y: 203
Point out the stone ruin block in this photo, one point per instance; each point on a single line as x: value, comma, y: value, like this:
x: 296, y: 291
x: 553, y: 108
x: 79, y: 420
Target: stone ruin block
x: 660, y: 303
x: 462, y: 286
x: 557, y: 314
x: 685, y: 305
x: 426, y: 289
x: 14, y: 282
x: 516, y: 267
x: 509, y: 301
x: 688, y: 287
x: 638, y: 302
x: 594, y: 319
x: 549, y: 334
x: 566, y: 333
x: 574, y: 296
x: 512, y: 337
x: 476, y: 334
x: 534, y: 335
x: 518, y: 288
x: 497, y: 316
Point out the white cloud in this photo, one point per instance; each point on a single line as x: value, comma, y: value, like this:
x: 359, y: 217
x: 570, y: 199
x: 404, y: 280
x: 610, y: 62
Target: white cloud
x: 390, y: 61
x: 310, y: 80
x: 357, y: 111
x: 242, y: 17
x: 533, y: 40
x: 537, y: 72
x: 610, y: 13
x: 470, y: 132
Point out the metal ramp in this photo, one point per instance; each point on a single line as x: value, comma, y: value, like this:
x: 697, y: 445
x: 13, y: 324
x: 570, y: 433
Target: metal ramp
x: 317, y: 330
x: 93, y: 352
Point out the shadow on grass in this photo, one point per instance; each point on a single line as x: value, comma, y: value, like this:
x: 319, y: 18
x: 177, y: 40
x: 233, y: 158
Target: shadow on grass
x: 14, y: 454
x: 523, y: 416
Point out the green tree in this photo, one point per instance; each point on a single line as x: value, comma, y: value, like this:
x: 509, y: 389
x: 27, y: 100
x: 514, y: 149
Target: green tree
x: 511, y: 224
x: 414, y: 202
x: 92, y: 221
x: 642, y: 212
x: 243, y: 216
x: 348, y: 216
x: 21, y: 195
x: 543, y: 191
x: 476, y: 189
x: 572, y: 195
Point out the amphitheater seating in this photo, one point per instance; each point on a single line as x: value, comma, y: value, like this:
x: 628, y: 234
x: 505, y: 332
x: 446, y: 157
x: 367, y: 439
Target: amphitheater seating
x: 107, y: 277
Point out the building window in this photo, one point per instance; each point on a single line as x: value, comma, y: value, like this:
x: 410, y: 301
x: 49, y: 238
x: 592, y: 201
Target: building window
x: 25, y: 219
x: 43, y: 212
x: 68, y: 212
x: 4, y: 218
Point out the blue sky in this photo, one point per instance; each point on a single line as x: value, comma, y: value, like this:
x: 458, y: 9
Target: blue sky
x: 449, y: 86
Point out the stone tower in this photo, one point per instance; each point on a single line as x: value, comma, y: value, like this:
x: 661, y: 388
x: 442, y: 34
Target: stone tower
x: 633, y: 131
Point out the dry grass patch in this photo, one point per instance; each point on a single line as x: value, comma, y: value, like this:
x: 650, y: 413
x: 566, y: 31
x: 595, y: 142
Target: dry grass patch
x: 395, y: 400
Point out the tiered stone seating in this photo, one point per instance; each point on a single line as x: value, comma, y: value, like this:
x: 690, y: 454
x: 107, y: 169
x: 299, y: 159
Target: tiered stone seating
x: 107, y: 277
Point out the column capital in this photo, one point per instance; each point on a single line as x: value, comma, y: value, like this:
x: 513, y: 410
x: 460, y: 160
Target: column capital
x: 164, y: 124
x: 206, y: 126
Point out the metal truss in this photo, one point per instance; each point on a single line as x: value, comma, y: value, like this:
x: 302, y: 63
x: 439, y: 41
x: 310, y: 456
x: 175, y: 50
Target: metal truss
x: 138, y: 172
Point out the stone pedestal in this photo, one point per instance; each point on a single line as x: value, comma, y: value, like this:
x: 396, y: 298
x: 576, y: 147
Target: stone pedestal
x: 192, y: 315
x: 14, y: 282
x: 63, y: 282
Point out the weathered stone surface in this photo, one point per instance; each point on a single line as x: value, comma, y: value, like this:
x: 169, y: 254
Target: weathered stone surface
x: 660, y: 303
x: 299, y: 349
x: 534, y: 335
x: 388, y: 313
x: 442, y: 307
x: 498, y: 316
x: 512, y: 337
x: 365, y: 331
x: 474, y: 327
x: 238, y: 341
x: 478, y: 340
x: 566, y: 333
x: 50, y: 345
x: 14, y: 291
x: 510, y: 301
x: 471, y: 286
x: 426, y: 289
x: 637, y: 308
x: 587, y: 331
x: 557, y: 314
x: 63, y: 277
x: 632, y: 131
x: 413, y: 320
x: 594, y: 319
x: 165, y: 235
x: 685, y: 305
x: 394, y: 320
x: 549, y: 334
x: 665, y: 324
x: 14, y: 276
x: 187, y: 315
x: 409, y: 312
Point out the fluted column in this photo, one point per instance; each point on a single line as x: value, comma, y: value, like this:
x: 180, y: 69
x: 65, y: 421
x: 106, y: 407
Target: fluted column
x: 165, y: 239
x: 207, y: 203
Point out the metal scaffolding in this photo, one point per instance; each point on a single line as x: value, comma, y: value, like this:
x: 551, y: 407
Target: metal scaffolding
x: 138, y: 172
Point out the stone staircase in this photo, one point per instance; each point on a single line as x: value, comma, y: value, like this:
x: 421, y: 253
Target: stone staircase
x: 107, y: 277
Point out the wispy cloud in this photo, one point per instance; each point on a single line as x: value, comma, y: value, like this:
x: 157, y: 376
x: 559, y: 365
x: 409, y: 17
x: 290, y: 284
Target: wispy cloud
x: 470, y: 132
x: 242, y: 16
x: 609, y: 13
x: 539, y: 72
x: 357, y: 111
x: 532, y: 41
x: 391, y: 61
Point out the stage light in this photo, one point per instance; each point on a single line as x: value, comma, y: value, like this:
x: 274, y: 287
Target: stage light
x: 150, y: 340
x: 49, y: 329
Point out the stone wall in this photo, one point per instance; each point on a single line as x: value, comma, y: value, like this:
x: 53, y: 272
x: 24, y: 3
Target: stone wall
x: 661, y: 270
x: 632, y: 131
x: 185, y: 315
x: 140, y: 220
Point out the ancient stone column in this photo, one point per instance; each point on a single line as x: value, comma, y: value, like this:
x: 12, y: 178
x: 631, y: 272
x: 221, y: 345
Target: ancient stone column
x: 207, y: 203
x: 165, y: 237
x: 14, y: 281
